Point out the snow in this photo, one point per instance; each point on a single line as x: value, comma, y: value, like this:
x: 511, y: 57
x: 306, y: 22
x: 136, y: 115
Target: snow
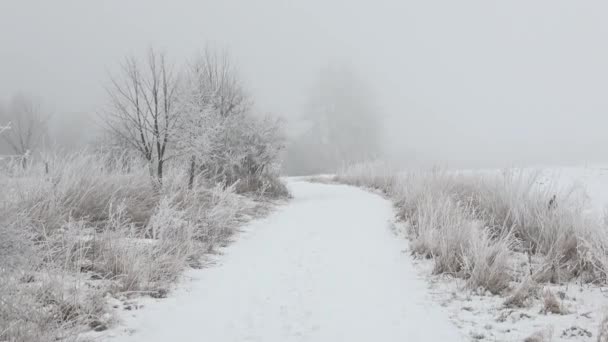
x: 592, y: 180
x: 484, y: 317
x: 325, y: 267
x: 333, y: 266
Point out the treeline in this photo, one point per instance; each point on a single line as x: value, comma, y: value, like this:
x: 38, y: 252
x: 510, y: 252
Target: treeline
x: 341, y: 124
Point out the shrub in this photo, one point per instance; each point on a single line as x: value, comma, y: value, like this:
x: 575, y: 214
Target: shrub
x: 551, y: 304
x: 472, y: 224
x: 44, y: 309
x: 77, y: 227
x: 522, y: 295
x: 377, y: 175
x: 487, y: 262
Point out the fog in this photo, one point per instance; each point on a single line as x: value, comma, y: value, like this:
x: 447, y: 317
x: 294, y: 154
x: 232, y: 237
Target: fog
x: 472, y: 83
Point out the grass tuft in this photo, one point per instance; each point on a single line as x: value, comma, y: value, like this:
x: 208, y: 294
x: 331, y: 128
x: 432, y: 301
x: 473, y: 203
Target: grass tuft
x: 76, y: 228
x: 475, y: 226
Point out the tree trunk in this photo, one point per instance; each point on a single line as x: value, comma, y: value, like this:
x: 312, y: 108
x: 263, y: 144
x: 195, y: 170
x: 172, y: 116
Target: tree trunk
x: 159, y: 171
x: 192, y: 169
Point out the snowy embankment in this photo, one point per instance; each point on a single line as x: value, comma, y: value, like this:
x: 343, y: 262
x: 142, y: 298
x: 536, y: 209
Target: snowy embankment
x: 79, y: 230
x: 325, y: 267
x: 514, y: 255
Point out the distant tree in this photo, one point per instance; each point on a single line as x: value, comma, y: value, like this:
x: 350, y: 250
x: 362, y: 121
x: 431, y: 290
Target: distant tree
x: 343, y: 124
x: 4, y: 128
x: 215, y: 80
x: 28, y: 125
x: 3, y: 125
x: 218, y: 131
x: 143, y: 110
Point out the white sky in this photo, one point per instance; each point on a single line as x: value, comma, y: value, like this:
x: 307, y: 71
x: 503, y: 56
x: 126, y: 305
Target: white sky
x: 470, y: 82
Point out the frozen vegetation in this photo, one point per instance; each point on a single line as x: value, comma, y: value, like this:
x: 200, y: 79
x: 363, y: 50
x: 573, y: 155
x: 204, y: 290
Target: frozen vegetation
x: 202, y: 171
x: 184, y: 163
x: 515, y: 254
x: 325, y: 267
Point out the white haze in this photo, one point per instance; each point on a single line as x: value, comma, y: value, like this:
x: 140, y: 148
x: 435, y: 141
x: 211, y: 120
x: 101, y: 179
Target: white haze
x: 472, y: 83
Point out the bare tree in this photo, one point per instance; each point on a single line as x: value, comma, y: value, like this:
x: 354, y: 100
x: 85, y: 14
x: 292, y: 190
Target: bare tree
x: 28, y: 125
x: 215, y: 79
x: 143, y: 109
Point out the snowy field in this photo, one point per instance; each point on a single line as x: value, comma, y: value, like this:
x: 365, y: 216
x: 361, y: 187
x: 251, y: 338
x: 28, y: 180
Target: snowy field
x: 487, y: 318
x: 591, y: 180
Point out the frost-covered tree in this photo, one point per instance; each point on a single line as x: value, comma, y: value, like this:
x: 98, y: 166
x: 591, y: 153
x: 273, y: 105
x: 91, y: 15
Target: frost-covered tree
x: 214, y: 78
x: 343, y: 124
x: 198, y: 130
x: 247, y: 146
x: 3, y: 125
x: 221, y: 136
x: 143, y: 111
x: 28, y: 123
x: 203, y: 119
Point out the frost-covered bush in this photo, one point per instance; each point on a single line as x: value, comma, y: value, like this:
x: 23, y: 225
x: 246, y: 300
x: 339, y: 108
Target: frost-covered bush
x: 488, y: 261
x: 78, y: 186
x: 523, y: 295
x: 376, y: 174
x: 243, y: 150
x: 46, y: 306
x: 473, y: 225
x: 89, y: 224
x: 42, y: 291
x: 447, y: 231
x: 220, y: 137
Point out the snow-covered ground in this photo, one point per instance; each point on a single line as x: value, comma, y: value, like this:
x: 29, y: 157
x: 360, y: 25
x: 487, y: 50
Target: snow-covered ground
x: 593, y: 180
x: 325, y: 267
x: 331, y: 266
x: 485, y: 317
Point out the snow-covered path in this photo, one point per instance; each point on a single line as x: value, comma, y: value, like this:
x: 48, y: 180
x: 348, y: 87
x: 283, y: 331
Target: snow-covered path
x: 325, y: 267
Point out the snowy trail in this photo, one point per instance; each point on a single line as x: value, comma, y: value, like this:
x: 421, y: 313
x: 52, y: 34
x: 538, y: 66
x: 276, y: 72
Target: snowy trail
x: 325, y: 267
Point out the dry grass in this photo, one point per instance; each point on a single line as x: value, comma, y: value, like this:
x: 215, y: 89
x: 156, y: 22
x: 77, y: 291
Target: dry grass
x: 377, y: 175
x: 602, y: 334
x: 551, y: 304
x: 487, y: 263
x: 94, y: 225
x: 472, y: 225
x: 523, y: 295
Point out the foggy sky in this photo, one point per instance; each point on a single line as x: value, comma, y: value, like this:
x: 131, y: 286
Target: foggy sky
x: 473, y: 83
